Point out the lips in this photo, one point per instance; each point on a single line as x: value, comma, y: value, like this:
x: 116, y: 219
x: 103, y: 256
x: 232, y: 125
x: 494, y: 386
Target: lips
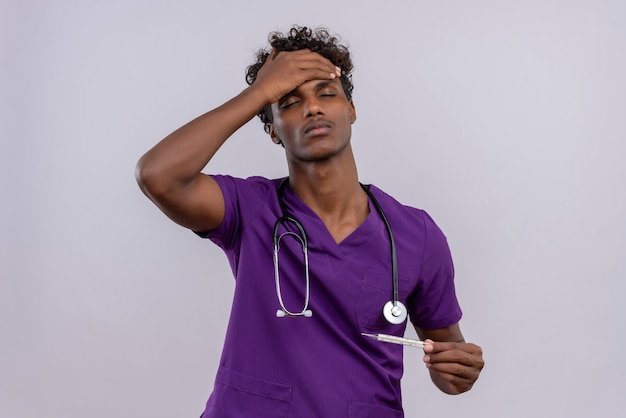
x: 317, y: 128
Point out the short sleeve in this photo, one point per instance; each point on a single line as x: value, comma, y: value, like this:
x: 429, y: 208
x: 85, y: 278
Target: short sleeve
x: 434, y: 304
x: 243, y: 198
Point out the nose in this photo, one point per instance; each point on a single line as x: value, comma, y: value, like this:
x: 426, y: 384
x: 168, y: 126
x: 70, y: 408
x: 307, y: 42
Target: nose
x: 312, y: 107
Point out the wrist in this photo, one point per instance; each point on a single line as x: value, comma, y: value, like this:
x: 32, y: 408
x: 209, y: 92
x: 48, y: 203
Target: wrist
x: 259, y: 95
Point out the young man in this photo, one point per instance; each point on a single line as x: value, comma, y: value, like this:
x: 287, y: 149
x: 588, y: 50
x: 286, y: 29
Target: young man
x: 348, y: 259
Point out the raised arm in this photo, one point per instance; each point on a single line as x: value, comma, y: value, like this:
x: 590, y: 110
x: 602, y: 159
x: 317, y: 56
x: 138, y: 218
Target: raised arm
x: 170, y: 173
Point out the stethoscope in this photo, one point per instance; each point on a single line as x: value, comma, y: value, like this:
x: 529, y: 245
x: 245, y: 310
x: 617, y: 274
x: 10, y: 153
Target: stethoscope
x: 394, y: 311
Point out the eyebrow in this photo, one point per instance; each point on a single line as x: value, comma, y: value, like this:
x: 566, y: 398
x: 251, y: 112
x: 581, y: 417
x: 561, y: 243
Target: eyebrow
x: 323, y: 83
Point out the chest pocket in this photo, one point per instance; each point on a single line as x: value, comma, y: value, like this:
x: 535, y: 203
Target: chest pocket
x: 376, y: 291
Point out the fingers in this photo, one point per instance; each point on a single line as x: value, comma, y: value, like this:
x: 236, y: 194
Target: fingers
x: 468, y: 371
x: 456, y: 384
x: 443, y: 347
x: 466, y: 354
x: 284, y: 71
x: 459, y: 364
x: 304, y: 60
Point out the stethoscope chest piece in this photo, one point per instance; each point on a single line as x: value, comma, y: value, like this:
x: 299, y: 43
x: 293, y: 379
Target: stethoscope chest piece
x: 395, y: 312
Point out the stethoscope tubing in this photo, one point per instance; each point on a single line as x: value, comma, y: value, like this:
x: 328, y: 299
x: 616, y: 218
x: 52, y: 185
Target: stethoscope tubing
x: 393, y: 311
x: 303, y: 241
x: 392, y: 243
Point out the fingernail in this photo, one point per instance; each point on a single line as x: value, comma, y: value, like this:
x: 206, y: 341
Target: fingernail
x: 338, y: 71
x: 332, y: 75
x: 426, y: 359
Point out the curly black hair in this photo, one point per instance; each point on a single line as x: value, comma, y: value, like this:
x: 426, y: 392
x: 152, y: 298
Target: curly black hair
x: 317, y: 40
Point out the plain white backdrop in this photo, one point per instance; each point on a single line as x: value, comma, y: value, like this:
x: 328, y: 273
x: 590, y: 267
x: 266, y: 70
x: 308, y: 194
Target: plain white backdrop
x: 505, y: 120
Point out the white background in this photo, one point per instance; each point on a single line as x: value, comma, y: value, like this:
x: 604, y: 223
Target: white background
x: 505, y: 120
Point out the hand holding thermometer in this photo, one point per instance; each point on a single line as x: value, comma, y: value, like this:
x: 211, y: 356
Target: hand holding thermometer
x: 396, y: 340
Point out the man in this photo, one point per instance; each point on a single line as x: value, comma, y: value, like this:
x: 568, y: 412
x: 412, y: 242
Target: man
x: 294, y: 345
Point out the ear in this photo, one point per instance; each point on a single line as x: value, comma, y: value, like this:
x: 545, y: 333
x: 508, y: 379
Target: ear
x: 269, y: 128
x: 352, y: 111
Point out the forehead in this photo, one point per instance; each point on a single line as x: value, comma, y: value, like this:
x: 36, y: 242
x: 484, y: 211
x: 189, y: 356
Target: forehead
x: 320, y: 83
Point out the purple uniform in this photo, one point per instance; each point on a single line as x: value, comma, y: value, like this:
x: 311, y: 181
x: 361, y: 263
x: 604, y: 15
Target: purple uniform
x: 322, y: 366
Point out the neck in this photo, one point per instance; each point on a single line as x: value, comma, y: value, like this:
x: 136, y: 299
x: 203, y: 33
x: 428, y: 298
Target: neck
x: 333, y: 192
x: 327, y: 183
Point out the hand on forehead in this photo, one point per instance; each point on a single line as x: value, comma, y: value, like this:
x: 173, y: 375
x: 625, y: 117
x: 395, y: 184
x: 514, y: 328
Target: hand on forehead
x: 284, y: 71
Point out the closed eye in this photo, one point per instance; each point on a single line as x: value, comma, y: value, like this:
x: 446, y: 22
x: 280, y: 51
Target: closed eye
x: 288, y: 102
x: 328, y: 91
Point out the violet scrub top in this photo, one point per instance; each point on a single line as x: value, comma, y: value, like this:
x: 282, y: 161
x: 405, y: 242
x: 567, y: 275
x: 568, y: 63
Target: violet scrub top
x: 322, y: 366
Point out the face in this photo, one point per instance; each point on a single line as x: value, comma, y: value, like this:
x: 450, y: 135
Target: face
x: 313, y: 121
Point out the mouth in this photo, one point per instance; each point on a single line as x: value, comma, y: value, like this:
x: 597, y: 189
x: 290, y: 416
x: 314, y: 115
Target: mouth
x: 317, y: 128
